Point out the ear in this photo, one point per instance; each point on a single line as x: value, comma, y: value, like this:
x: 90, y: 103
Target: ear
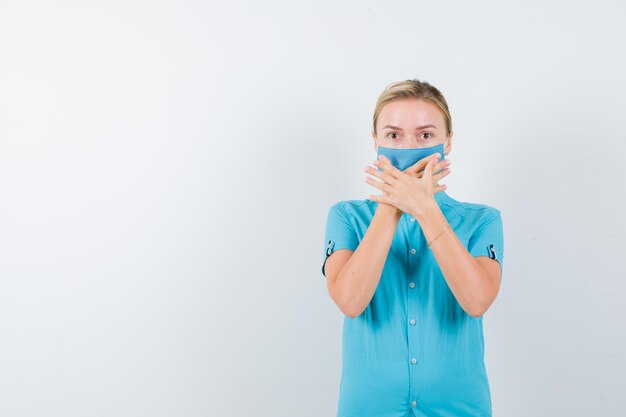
x: 448, y: 146
x: 374, y: 139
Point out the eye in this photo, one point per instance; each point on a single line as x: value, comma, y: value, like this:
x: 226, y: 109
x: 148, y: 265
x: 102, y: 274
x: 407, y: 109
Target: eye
x: 392, y: 133
x: 428, y: 133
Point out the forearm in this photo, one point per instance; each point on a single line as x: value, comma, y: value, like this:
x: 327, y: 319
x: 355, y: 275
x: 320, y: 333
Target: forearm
x: 358, y: 279
x: 465, y: 277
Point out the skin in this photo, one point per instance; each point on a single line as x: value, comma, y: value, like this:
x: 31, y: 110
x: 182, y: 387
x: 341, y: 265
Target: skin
x: 353, y: 276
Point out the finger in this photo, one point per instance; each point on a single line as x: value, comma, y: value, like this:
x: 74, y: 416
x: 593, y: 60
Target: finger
x: 440, y: 188
x: 384, y: 163
x: 439, y: 175
x: 383, y: 175
x: 441, y: 165
x: 380, y: 199
x: 428, y: 171
x: 419, y: 165
x: 378, y: 184
x: 433, y: 156
x: 440, y: 169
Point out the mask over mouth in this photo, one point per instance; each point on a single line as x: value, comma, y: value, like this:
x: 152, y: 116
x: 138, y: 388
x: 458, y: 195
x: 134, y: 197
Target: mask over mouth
x: 402, y: 158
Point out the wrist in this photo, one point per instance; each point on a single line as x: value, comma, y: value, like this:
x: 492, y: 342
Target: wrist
x: 389, y: 210
x: 426, y: 210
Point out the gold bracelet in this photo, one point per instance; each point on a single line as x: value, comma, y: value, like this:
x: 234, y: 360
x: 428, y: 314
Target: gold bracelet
x: 429, y: 243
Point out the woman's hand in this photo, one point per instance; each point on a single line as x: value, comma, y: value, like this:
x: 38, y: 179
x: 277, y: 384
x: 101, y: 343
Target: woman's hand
x: 441, y: 169
x: 412, y: 190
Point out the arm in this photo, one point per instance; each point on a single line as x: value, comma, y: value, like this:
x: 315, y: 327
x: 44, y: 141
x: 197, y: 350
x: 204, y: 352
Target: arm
x: 474, y: 281
x: 353, y: 276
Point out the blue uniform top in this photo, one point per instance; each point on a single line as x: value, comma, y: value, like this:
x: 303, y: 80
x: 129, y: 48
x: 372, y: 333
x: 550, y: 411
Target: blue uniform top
x: 414, y: 351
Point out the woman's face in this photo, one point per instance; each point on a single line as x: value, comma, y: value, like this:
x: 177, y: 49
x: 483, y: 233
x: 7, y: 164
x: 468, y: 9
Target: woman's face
x: 411, y: 123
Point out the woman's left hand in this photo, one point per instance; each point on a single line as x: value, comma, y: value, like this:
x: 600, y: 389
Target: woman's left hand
x: 407, y: 193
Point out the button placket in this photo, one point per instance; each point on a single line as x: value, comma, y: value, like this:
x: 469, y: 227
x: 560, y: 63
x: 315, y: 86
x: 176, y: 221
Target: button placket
x: 412, y: 310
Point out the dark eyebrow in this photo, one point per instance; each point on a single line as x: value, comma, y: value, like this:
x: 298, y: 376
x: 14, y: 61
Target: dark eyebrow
x: 417, y: 128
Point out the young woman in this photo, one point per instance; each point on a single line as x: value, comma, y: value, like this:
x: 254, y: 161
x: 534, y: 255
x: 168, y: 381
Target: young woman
x: 413, y: 270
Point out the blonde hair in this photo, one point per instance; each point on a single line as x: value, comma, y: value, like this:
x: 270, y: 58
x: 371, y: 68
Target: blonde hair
x: 413, y: 89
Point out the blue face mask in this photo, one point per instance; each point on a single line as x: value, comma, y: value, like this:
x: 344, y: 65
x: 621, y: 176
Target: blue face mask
x: 402, y: 158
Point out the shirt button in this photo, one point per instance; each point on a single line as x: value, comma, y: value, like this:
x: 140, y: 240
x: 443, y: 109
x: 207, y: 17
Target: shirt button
x: 412, y: 322
x: 414, y: 403
x: 413, y: 251
x: 411, y: 219
x: 413, y: 361
x: 412, y: 284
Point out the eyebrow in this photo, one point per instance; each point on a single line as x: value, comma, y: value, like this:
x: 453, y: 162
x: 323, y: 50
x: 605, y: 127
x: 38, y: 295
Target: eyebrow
x: 417, y: 128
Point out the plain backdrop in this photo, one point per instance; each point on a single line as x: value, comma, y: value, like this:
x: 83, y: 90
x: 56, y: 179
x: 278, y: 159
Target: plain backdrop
x: 166, y: 168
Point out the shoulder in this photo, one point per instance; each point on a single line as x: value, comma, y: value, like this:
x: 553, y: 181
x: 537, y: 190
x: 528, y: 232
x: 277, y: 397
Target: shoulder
x: 351, y: 206
x: 360, y: 211
x: 476, y: 213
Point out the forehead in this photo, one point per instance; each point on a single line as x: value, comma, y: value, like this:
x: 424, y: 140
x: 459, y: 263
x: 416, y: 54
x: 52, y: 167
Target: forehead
x: 410, y: 112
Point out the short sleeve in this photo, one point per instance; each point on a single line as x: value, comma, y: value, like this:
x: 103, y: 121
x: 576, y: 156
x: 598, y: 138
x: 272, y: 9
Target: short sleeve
x: 340, y: 234
x: 488, y: 240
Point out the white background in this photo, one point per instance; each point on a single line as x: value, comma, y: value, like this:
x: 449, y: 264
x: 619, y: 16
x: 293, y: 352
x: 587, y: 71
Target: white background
x: 166, y: 169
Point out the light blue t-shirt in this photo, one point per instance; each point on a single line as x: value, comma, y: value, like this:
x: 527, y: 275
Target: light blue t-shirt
x: 414, y: 351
